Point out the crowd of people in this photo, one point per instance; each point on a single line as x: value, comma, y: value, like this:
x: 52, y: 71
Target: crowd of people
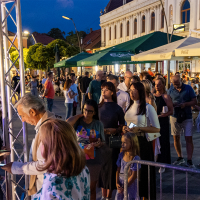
x: 70, y: 158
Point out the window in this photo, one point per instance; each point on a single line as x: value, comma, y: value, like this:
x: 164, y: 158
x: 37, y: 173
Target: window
x: 162, y: 18
x: 121, y: 30
x: 127, y: 34
x: 104, y: 35
x: 110, y: 33
x: 143, y: 24
x: 152, y: 21
x: 185, y: 12
x: 135, y: 26
x: 115, y: 32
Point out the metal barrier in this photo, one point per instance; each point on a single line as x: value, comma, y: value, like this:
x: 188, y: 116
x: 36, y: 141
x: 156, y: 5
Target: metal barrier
x: 160, y: 165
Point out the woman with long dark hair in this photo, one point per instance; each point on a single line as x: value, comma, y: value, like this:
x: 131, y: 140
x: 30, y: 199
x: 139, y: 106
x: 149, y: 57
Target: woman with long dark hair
x: 164, y: 110
x: 112, y: 117
x: 145, y: 118
x: 90, y: 130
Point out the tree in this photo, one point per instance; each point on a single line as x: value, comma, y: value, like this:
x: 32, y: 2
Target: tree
x: 65, y: 50
x: 34, y: 62
x: 14, y: 54
x: 72, y: 37
x: 56, y: 33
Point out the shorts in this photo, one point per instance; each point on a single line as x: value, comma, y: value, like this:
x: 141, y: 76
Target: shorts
x: 177, y: 128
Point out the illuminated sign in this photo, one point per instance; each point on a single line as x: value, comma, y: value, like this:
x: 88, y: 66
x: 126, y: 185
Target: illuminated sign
x: 179, y: 27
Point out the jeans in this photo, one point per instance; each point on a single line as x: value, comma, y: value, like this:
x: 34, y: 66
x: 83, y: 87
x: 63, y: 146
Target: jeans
x: 69, y: 107
x: 49, y: 104
x: 34, y: 91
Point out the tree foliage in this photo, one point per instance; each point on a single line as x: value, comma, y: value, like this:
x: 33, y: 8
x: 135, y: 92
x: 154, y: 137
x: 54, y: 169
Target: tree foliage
x: 14, y: 54
x: 72, y: 37
x: 43, y: 57
x: 56, y: 33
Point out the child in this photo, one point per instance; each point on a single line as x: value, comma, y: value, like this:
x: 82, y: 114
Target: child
x: 130, y: 152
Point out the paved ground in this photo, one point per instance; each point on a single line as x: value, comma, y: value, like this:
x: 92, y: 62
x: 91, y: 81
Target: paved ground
x: 194, y: 179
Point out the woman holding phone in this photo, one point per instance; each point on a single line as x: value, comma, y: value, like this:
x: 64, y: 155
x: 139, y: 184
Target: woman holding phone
x: 145, y: 119
x: 90, y: 130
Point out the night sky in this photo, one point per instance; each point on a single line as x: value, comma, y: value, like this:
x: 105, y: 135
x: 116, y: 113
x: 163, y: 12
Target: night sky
x: 42, y: 15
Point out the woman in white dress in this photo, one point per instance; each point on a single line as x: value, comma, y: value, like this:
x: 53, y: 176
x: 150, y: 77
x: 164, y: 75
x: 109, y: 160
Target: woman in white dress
x: 145, y: 118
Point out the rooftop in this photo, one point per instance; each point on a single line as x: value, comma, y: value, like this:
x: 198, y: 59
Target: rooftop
x: 42, y: 38
x: 113, y: 4
x: 92, y: 40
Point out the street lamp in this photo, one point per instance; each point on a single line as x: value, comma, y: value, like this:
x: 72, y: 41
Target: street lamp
x: 75, y: 29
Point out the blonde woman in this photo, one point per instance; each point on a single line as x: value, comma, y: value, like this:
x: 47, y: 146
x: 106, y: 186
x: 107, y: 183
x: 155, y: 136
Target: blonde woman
x: 150, y: 99
x: 66, y: 175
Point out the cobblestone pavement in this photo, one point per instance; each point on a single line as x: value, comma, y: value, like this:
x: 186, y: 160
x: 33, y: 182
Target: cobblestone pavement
x: 180, y: 178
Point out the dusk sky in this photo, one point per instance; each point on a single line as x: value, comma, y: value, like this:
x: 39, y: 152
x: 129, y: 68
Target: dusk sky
x: 42, y: 15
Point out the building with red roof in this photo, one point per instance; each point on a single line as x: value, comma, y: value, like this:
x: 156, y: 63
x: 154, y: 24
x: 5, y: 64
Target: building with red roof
x: 92, y: 41
x: 40, y: 38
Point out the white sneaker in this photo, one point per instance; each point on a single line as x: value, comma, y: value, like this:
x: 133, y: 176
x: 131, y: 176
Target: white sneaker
x: 179, y: 161
x: 161, y: 170
x: 103, y: 198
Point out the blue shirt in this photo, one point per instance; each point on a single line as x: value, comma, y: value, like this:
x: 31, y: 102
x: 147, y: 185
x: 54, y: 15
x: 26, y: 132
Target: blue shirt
x: 185, y: 95
x: 75, y: 90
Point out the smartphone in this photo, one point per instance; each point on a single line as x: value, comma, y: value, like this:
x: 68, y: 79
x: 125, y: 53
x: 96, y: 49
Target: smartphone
x: 2, y: 164
x: 132, y: 125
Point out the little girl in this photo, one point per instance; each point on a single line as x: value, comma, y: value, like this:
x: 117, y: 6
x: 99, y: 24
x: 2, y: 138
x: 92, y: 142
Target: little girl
x: 130, y: 152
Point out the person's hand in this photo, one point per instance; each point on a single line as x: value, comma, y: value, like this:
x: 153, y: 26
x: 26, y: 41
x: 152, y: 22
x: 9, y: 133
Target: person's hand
x: 133, y: 130
x: 124, y: 129
x: 182, y: 105
x: 7, y: 167
x: 119, y: 188
x: 98, y: 143
x: 110, y: 131
x: 197, y: 107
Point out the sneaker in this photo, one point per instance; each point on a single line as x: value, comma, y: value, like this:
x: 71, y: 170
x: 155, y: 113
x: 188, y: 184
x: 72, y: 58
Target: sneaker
x: 103, y: 198
x: 179, y: 161
x: 161, y: 170
x: 190, y: 164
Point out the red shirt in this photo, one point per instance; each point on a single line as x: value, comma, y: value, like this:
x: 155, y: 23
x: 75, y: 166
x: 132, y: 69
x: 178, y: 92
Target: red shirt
x: 151, y: 73
x: 48, y: 85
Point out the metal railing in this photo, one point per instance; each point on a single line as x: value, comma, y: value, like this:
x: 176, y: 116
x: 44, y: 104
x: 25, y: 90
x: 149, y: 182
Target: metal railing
x: 160, y: 165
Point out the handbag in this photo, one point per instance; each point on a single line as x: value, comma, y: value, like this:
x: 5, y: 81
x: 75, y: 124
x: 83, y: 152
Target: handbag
x: 151, y: 136
x: 115, y: 141
x: 75, y: 104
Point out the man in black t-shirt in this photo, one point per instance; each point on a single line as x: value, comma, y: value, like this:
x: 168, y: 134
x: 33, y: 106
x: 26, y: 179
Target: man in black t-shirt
x: 15, y: 81
x: 83, y: 86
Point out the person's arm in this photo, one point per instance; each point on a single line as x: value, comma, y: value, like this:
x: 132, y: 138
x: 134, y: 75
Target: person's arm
x: 169, y: 103
x: 117, y: 180
x: 90, y: 91
x: 127, y: 102
x: 152, y: 116
x: 79, y: 87
x: 71, y: 96
x: 73, y: 120
x: 191, y: 103
x: 46, y: 90
x: 132, y: 178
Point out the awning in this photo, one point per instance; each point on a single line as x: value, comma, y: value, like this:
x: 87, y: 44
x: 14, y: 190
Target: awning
x: 166, y: 52
x: 189, y: 51
x: 147, y: 42
x: 109, y: 56
x: 72, y: 61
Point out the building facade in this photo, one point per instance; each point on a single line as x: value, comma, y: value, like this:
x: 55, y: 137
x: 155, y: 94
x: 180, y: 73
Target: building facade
x: 124, y: 20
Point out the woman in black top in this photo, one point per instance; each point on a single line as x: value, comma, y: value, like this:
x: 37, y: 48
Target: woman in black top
x: 112, y: 117
x: 163, y: 102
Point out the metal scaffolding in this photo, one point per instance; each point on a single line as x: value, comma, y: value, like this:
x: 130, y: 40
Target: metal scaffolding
x: 11, y: 9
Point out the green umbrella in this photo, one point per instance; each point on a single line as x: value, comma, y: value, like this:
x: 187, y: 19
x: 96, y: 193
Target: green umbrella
x: 72, y: 61
x: 109, y: 56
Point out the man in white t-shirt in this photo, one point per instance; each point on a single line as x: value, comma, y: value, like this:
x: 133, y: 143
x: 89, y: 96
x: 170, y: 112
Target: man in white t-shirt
x: 123, y: 99
x: 124, y: 86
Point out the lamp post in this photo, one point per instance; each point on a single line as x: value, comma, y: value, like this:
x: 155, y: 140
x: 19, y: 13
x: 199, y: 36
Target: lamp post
x: 76, y: 34
x: 75, y: 30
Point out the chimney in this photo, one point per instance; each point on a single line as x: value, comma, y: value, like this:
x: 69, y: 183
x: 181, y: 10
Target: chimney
x: 91, y: 30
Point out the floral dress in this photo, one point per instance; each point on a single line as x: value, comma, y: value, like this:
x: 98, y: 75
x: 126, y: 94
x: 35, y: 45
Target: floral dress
x: 62, y: 188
